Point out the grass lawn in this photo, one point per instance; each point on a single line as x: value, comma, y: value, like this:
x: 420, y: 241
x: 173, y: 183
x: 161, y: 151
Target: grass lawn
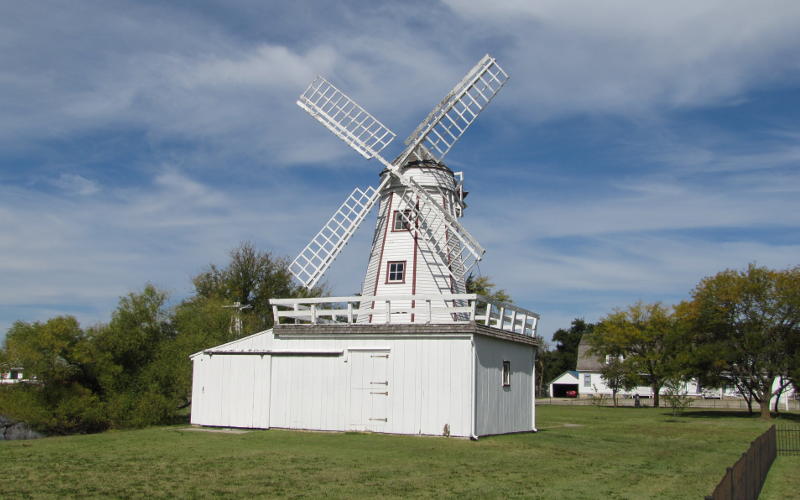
x: 580, y: 452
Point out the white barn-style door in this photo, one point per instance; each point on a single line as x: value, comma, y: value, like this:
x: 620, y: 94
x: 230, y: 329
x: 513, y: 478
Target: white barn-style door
x: 369, y: 390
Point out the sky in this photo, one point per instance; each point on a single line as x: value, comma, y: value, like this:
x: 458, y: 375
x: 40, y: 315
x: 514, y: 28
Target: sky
x: 637, y: 148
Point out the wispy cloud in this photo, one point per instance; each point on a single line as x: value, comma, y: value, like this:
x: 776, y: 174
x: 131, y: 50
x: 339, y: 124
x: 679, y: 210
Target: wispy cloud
x: 75, y: 184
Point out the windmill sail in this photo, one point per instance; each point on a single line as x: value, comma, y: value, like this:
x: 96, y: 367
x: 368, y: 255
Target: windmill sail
x: 322, y: 250
x: 345, y: 118
x: 448, y: 121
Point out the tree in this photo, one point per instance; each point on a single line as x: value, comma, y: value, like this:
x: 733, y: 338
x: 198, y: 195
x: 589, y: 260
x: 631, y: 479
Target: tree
x: 749, y: 324
x: 58, y: 354
x: 565, y: 355
x: 676, y: 395
x: 135, y: 370
x: 251, y: 278
x: 648, y: 337
x: 482, y: 286
x: 618, y: 377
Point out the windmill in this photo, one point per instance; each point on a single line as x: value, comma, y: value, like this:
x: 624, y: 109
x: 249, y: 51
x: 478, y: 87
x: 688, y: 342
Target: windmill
x: 419, y: 246
x: 235, y: 327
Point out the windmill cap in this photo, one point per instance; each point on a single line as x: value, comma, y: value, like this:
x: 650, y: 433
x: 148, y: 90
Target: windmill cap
x: 423, y: 164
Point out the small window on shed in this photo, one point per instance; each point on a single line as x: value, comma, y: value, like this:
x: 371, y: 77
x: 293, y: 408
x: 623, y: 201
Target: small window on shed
x: 587, y: 380
x: 506, y: 373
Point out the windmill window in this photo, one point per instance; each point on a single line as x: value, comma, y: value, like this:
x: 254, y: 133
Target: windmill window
x: 506, y: 373
x: 396, y: 272
x: 402, y: 221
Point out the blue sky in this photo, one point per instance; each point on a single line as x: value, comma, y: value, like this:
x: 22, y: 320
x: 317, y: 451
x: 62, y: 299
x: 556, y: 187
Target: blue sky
x: 637, y: 148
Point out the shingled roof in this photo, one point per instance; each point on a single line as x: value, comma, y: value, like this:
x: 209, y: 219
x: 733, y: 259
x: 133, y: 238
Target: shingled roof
x: 587, y: 362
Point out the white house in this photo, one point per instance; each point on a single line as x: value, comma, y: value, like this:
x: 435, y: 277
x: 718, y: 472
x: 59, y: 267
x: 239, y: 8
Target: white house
x: 414, y: 353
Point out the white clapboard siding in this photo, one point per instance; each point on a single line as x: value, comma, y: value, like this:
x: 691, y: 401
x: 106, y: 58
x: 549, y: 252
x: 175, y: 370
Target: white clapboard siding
x: 501, y: 409
x: 427, y: 383
x: 426, y: 273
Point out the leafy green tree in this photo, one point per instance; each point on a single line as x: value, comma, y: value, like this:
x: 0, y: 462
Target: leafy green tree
x: 649, y: 338
x: 676, y: 395
x: 58, y: 354
x: 251, y: 278
x: 567, y: 344
x: 483, y: 286
x: 565, y: 355
x: 617, y: 376
x: 748, y: 323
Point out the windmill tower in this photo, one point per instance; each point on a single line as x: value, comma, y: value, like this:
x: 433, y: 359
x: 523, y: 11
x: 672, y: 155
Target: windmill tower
x: 419, y: 245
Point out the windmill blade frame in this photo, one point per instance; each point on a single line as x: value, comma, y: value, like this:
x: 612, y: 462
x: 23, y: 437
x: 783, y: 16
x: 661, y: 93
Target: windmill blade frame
x: 449, y: 119
x: 345, y: 118
x: 317, y: 256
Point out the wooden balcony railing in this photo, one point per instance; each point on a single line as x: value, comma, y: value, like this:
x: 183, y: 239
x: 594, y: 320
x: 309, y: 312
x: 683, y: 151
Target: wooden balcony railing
x: 398, y: 309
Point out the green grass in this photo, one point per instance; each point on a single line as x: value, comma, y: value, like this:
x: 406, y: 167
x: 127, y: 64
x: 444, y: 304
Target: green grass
x: 580, y: 452
x: 783, y: 480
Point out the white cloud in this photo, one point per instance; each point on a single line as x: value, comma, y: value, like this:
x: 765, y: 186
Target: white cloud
x: 76, y: 184
x: 186, y: 76
x: 630, y: 57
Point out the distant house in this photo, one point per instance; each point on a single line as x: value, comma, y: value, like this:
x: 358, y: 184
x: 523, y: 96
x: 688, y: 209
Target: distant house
x: 587, y: 381
x: 11, y: 376
x: 591, y: 381
x: 565, y: 385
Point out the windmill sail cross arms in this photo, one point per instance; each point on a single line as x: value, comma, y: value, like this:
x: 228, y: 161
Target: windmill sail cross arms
x: 448, y: 121
x: 312, y: 262
x: 345, y: 118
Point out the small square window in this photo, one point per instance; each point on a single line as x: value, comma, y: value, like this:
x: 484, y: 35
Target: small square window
x: 506, y: 373
x: 396, y: 272
x: 402, y: 220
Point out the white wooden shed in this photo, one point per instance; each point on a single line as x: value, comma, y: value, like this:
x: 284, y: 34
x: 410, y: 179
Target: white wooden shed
x: 464, y: 378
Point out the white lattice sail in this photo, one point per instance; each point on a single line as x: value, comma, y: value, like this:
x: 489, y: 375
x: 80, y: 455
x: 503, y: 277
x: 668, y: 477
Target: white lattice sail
x: 448, y: 121
x: 345, y: 118
x: 322, y: 250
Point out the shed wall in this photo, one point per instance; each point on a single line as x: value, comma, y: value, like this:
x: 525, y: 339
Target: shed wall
x: 427, y: 380
x: 500, y: 409
x: 231, y: 391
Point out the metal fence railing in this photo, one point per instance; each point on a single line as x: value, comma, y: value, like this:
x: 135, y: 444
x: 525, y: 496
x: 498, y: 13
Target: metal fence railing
x: 646, y: 400
x: 745, y: 479
x: 788, y: 440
